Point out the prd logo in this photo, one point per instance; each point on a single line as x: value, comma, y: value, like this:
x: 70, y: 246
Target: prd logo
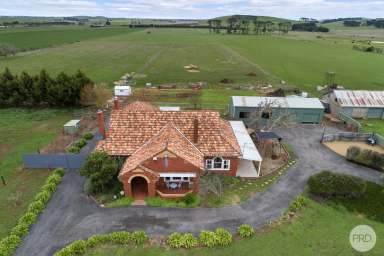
x: 362, y: 238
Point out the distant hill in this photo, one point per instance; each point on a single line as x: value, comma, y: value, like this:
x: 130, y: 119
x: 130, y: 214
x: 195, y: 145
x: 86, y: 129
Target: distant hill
x: 252, y: 17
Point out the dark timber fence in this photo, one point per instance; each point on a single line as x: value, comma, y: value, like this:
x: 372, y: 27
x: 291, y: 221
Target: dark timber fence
x: 51, y: 161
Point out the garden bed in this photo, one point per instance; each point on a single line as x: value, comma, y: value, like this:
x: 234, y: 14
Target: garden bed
x: 341, y: 147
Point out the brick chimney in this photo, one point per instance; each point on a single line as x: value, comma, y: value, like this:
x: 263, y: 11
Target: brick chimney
x: 196, y: 130
x: 116, y: 103
x: 101, y: 124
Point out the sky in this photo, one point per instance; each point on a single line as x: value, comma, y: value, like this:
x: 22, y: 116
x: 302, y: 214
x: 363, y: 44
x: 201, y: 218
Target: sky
x: 194, y: 9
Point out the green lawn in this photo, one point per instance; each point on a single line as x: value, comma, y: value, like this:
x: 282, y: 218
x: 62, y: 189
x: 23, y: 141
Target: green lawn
x: 23, y: 131
x: 160, y: 56
x: 321, y: 229
x: 373, y: 125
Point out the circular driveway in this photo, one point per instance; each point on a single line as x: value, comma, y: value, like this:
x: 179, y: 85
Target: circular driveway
x: 70, y: 215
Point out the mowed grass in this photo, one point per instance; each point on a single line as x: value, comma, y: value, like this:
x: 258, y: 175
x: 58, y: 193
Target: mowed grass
x: 160, y: 54
x: 35, y: 38
x: 320, y: 230
x: 23, y: 131
x: 373, y: 125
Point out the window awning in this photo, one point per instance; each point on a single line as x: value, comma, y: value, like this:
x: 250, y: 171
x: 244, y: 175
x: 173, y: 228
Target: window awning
x: 248, y: 148
x: 175, y: 174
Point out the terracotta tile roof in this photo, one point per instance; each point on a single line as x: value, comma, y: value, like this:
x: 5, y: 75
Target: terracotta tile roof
x: 168, y: 138
x: 129, y: 130
x: 140, y: 106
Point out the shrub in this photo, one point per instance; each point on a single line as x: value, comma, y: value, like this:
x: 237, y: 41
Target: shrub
x: 88, y: 136
x: 101, y: 169
x: 80, y: 143
x: 175, y: 240
x: 98, y: 239
x: 54, y: 179
x: 190, y: 199
x: 74, y: 150
x: 328, y: 184
x: 139, y: 237
x: 223, y: 237
x: 36, y: 207
x: 121, y: 237
x: 208, y: 238
x: 77, y: 248
x: 245, y: 230
x: 366, y: 157
x: 43, y: 196
x: 59, y: 171
x: 189, y: 241
x: 299, y: 203
x: 20, y: 230
x: 50, y: 187
x: 9, y: 244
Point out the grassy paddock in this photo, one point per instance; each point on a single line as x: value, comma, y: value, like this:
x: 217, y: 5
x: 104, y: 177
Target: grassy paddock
x: 23, y: 131
x: 373, y: 125
x: 160, y: 56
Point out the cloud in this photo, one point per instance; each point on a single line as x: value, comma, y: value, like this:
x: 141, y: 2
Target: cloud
x: 195, y: 8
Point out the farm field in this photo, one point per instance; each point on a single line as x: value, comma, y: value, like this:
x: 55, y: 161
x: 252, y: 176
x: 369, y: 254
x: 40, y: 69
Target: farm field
x: 35, y: 38
x: 23, y: 131
x: 311, y: 234
x: 159, y: 56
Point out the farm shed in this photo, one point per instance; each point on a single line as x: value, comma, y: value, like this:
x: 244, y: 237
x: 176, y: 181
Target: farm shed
x: 123, y: 90
x: 72, y: 126
x: 357, y: 104
x: 306, y: 110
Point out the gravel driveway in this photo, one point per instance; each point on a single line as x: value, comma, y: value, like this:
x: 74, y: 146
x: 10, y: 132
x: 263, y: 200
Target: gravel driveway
x: 70, y: 215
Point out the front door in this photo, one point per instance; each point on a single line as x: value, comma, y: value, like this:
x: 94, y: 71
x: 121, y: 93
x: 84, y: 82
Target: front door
x: 139, y: 187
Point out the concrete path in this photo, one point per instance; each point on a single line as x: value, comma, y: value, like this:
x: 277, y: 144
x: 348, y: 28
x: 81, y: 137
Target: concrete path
x: 70, y: 215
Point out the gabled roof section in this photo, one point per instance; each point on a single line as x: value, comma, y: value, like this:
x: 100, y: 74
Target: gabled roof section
x: 140, y: 106
x: 168, y: 138
x: 129, y: 130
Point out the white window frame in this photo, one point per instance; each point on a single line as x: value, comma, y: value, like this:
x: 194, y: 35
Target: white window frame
x: 225, y: 164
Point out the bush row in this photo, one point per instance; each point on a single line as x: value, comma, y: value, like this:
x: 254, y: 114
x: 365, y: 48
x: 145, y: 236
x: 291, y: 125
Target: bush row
x: 9, y: 244
x: 366, y: 157
x: 219, y: 237
x: 327, y: 184
x: 122, y: 237
x: 80, y: 143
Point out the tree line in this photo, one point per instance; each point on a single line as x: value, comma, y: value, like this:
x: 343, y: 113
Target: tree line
x: 246, y: 25
x: 41, y: 89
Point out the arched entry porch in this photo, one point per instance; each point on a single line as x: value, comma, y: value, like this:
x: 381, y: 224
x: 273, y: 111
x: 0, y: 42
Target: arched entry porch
x: 139, y: 187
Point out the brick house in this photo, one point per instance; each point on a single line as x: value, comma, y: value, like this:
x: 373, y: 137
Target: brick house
x: 165, y: 152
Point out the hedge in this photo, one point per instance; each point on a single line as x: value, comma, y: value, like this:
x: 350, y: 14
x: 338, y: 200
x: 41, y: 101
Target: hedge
x: 79, y: 247
x: 366, y: 157
x: 9, y: 244
x: 219, y: 237
x: 329, y: 184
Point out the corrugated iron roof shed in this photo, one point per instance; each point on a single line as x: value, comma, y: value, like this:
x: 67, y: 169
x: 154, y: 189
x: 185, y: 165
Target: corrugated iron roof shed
x: 283, y: 102
x: 73, y: 122
x: 361, y: 98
